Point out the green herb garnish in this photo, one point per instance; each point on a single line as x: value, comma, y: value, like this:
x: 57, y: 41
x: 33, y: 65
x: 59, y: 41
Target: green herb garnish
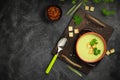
x: 106, y: 12
x: 77, y: 19
x: 93, y: 42
x: 73, y: 1
x: 95, y: 49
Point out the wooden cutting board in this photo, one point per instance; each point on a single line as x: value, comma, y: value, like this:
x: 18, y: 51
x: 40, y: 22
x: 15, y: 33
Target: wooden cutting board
x: 88, y: 24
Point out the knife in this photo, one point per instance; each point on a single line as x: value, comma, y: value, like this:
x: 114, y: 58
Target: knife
x: 60, y: 45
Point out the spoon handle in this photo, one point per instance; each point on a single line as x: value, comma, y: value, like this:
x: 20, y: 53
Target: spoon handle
x: 51, y: 64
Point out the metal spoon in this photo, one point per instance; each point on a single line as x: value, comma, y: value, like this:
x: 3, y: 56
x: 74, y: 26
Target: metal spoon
x: 60, y: 45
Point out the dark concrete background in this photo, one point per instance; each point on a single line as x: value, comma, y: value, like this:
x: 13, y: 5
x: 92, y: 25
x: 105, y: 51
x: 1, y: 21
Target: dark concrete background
x: 26, y: 42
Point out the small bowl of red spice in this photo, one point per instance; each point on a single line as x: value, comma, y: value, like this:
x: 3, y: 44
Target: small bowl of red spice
x: 53, y: 13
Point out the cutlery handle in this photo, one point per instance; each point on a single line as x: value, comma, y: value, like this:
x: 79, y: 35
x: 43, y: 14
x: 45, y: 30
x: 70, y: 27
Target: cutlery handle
x: 51, y: 64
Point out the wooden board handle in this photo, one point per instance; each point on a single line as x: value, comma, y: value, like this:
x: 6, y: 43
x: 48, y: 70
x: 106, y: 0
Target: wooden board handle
x: 95, y: 20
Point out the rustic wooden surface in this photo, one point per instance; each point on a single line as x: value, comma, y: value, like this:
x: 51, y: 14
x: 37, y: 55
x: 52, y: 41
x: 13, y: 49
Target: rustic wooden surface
x: 87, y: 25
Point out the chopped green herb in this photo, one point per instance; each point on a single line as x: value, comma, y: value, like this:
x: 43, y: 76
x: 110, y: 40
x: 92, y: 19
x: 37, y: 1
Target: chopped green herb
x: 73, y: 1
x: 99, y: 51
x: 96, y: 51
x: 106, y: 12
x: 77, y: 19
x: 93, y: 42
